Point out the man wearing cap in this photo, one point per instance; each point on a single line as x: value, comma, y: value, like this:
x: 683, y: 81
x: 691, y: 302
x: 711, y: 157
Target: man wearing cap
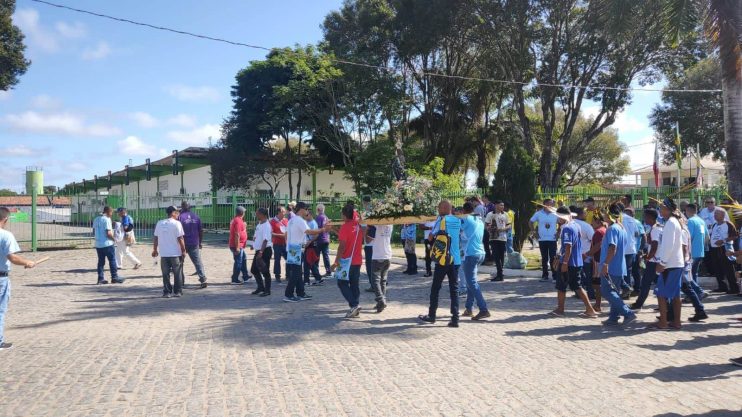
x: 547, y: 233
x: 237, y: 242
x: 123, y: 245
x: 570, y: 265
x: 194, y: 236
x: 612, y: 267
x: 296, y: 233
x: 168, y: 243
x: 670, y: 264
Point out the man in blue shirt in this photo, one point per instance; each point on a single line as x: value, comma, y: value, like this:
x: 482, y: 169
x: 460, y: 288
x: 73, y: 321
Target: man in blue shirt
x: 8, y: 255
x: 409, y: 236
x: 104, y: 246
x: 570, y: 265
x: 473, y: 230
x: 452, y: 226
x: 612, y: 267
x: 698, y: 235
x: 547, y: 234
x: 635, y: 232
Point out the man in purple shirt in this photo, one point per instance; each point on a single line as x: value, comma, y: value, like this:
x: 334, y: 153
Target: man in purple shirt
x: 193, y: 236
x: 323, y: 241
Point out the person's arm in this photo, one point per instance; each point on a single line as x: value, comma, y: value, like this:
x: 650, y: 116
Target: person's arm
x: 733, y: 234
x: 200, y: 234
x: 652, y: 250
x: 181, y: 243
x: 236, y: 242
x: 608, y: 258
x: 567, y: 254
x: 20, y: 261
x: 155, y: 242
x: 338, y: 255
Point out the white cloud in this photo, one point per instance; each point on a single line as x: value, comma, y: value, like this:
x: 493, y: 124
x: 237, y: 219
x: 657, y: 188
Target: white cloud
x: 196, y: 137
x: 5, y: 95
x: 144, y: 119
x: 133, y: 146
x: 72, y: 31
x: 188, y: 93
x: 182, y: 120
x: 18, y: 150
x: 589, y: 111
x: 628, y: 124
x: 100, y: 51
x: 47, y: 39
x: 58, y: 124
x: 45, y: 102
x: 76, y: 166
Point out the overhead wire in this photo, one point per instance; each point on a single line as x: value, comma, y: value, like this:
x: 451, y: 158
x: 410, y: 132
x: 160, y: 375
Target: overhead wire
x: 372, y: 66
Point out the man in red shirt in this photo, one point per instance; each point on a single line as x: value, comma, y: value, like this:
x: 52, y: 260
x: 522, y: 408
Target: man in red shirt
x: 350, y: 245
x: 279, y: 223
x: 594, y: 254
x: 237, y: 242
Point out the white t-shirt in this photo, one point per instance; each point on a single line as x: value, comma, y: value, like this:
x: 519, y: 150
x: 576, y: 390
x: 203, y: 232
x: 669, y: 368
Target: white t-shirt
x: 118, y: 232
x: 547, y: 225
x: 263, y: 233
x: 708, y: 217
x: 296, y: 231
x: 719, y: 232
x: 168, y: 231
x: 686, y: 243
x: 382, y: 243
x: 632, y: 232
x: 670, y: 252
x: 501, y: 221
x: 426, y: 233
x: 586, y: 234
x: 655, y: 235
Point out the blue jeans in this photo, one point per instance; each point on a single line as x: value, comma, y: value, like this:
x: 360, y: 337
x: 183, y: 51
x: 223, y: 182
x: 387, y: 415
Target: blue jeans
x: 350, y: 289
x: 618, y: 308
x: 279, y: 251
x: 694, y: 268
x: 649, y: 278
x: 109, y: 252
x: 240, y: 266
x: 4, y: 299
x: 324, y: 250
x: 294, y: 281
x: 629, y: 264
x: 469, y: 266
x: 509, y: 244
x: 194, y: 252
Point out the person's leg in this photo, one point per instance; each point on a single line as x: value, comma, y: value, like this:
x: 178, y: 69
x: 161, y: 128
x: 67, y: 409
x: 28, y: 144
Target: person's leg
x: 676, y: 306
x: 731, y: 275
x: 344, y: 287
x: 376, y: 284
x: 119, y: 256
x: 552, y: 246
x: 354, y: 278
x: 486, y: 243
x: 561, y: 283
x: 453, y: 287
x: 324, y: 250
x: 279, y: 251
x: 586, y: 280
x: 293, y: 276
x: 368, y: 259
x: 384, y: 278
x: 428, y: 259
x: 695, y: 268
x: 265, y: 268
x: 177, y: 275
x: 543, y: 249
x: 195, y: 254
x: 306, y: 268
x: 688, y: 291
x: 481, y: 304
x: 608, y: 288
x: 438, y: 274
x: 165, y: 267
x: 650, y: 275
x: 509, y: 243
x: 411, y: 263
x: 255, y: 270
x: 467, y: 269
x: 662, y: 301
x: 236, y: 266
x: 575, y: 273
x: 243, y: 266
x: 629, y: 259
x: 636, y: 273
x: 111, y: 256
x: 499, y: 257
x: 101, y: 263
x: 4, y: 300
x: 718, y: 268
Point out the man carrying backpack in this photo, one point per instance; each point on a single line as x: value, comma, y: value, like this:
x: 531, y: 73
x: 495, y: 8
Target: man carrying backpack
x: 447, y: 259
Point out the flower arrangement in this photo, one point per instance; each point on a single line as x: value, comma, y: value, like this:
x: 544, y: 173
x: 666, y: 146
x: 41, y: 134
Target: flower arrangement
x: 414, y: 197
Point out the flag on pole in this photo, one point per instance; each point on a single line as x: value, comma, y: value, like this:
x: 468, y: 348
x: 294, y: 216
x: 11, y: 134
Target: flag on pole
x: 678, y: 147
x: 656, y: 166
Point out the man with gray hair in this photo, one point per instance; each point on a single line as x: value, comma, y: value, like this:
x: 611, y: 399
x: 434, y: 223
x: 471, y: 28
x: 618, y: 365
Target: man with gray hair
x: 169, y: 245
x: 323, y: 241
x: 237, y: 242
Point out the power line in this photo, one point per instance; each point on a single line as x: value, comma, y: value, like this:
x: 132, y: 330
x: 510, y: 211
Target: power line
x: 379, y: 67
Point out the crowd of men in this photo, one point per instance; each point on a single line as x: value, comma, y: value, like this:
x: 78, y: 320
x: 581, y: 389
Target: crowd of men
x: 605, y: 253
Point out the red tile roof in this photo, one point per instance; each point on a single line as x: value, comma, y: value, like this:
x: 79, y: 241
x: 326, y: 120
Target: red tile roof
x: 23, y: 200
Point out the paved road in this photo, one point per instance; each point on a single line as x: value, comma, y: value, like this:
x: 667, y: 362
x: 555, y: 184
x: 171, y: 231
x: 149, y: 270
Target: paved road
x: 86, y: 350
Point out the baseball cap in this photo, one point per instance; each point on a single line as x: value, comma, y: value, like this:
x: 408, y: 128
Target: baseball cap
x: 120, y: 209
x: 301, y: 205
x: 171, y: 209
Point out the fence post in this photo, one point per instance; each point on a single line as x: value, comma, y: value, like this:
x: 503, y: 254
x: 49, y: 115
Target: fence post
x: 234, y: 204
x: 34, y: 238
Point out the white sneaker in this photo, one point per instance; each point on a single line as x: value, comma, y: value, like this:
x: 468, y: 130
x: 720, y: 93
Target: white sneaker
x: 5, y: 346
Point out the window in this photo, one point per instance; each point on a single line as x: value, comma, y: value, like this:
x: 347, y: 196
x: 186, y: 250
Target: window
x: 163, y: 185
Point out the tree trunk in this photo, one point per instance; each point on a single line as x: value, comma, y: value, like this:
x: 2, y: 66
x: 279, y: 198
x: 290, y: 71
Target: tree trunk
x: 732, y: 95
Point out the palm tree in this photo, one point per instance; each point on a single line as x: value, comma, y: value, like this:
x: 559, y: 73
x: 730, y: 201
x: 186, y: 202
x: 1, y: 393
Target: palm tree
x: 722, y: 22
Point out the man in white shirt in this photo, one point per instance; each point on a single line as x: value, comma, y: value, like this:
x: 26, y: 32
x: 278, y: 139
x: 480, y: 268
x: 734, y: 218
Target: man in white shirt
x: 381, y: 258
x: 722, y: 233
x: 670, y: 265
x: 296, y: 233
x: 498, y: 223
x: 263, y: 245
x: 547, y: 235
x: 169, y: 244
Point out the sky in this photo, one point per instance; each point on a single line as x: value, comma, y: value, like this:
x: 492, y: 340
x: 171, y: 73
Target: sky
x: 100, y: 93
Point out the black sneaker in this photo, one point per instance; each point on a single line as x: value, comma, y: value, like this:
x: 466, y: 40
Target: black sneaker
x: 428, y: 274
x: 203, y: 285
x: 117, y: 281
x: 736, y: 361
x: 380, y: 306
x: 698, y: 317
x: 5, y: 346
x: 499, y: 278
x: 453, y: 323
x: 304, y: 297
x: 102, y: 282
x: 166, y: 295
x: 265, y: 294
x: 236, y: 282
x: 256, y: 292
x: 178, y: 294
x: 425, y: 318
x: 319, y: 283
x: 635, y: 293
x: 483, y: 314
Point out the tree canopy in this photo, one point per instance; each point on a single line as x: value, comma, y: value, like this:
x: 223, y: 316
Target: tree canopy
x: 12, y: 62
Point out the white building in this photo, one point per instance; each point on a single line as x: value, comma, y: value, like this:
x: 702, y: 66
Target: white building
x: 712, y: 171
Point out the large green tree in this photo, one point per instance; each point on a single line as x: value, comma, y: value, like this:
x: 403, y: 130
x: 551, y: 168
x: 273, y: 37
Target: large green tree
x: 12, y: 62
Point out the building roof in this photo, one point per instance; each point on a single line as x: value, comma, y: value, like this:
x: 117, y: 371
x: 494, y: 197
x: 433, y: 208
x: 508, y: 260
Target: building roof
x: 24, y: 200
x: 688, y: 164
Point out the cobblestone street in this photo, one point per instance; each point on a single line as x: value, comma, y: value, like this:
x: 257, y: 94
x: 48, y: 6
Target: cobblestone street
x: 121, y: 350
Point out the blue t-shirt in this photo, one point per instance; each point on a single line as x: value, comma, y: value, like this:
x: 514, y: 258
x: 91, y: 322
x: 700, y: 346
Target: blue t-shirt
x: 101, y: 226
x: 698, y: 233
x: 453, y: 229
x: 409, y: 232
x: 615, y: 236
x: 473, y: 230
x: 8, y: 246
x: 571, y: 236
x: 547, y: 225
x: 127, y: 221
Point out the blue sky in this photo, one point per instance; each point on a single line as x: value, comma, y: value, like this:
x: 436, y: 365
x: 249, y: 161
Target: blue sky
x: 99, y: 93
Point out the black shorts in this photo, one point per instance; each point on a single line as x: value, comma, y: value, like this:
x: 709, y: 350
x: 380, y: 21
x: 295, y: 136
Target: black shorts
x: 571, y: 280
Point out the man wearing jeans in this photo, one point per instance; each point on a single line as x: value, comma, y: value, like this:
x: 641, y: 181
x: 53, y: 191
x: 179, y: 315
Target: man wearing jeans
x: 296, y: 234
x: 698, y: 236
x: 612, y: 267
x: 237, y: 242
x: 194, y: 236
x: 452, y: 226
x: 381, y: 259
x: 474, y: 254
x: 263, y: 251
x: 650, y: 269
x: 278, y: 231
x: 169, y: 244
x: 547, y: 231
x: 8, y: 250
x: 104, y: 246
x: 323, y: 241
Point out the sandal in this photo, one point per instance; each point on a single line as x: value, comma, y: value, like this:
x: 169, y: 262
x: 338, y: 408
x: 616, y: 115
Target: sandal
x: 587, y: 316
x: 655, y: 326
x: 555, y: 314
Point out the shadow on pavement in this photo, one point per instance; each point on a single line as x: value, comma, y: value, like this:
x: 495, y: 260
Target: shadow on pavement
x: 712, y: 413
x: 689, y: 373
